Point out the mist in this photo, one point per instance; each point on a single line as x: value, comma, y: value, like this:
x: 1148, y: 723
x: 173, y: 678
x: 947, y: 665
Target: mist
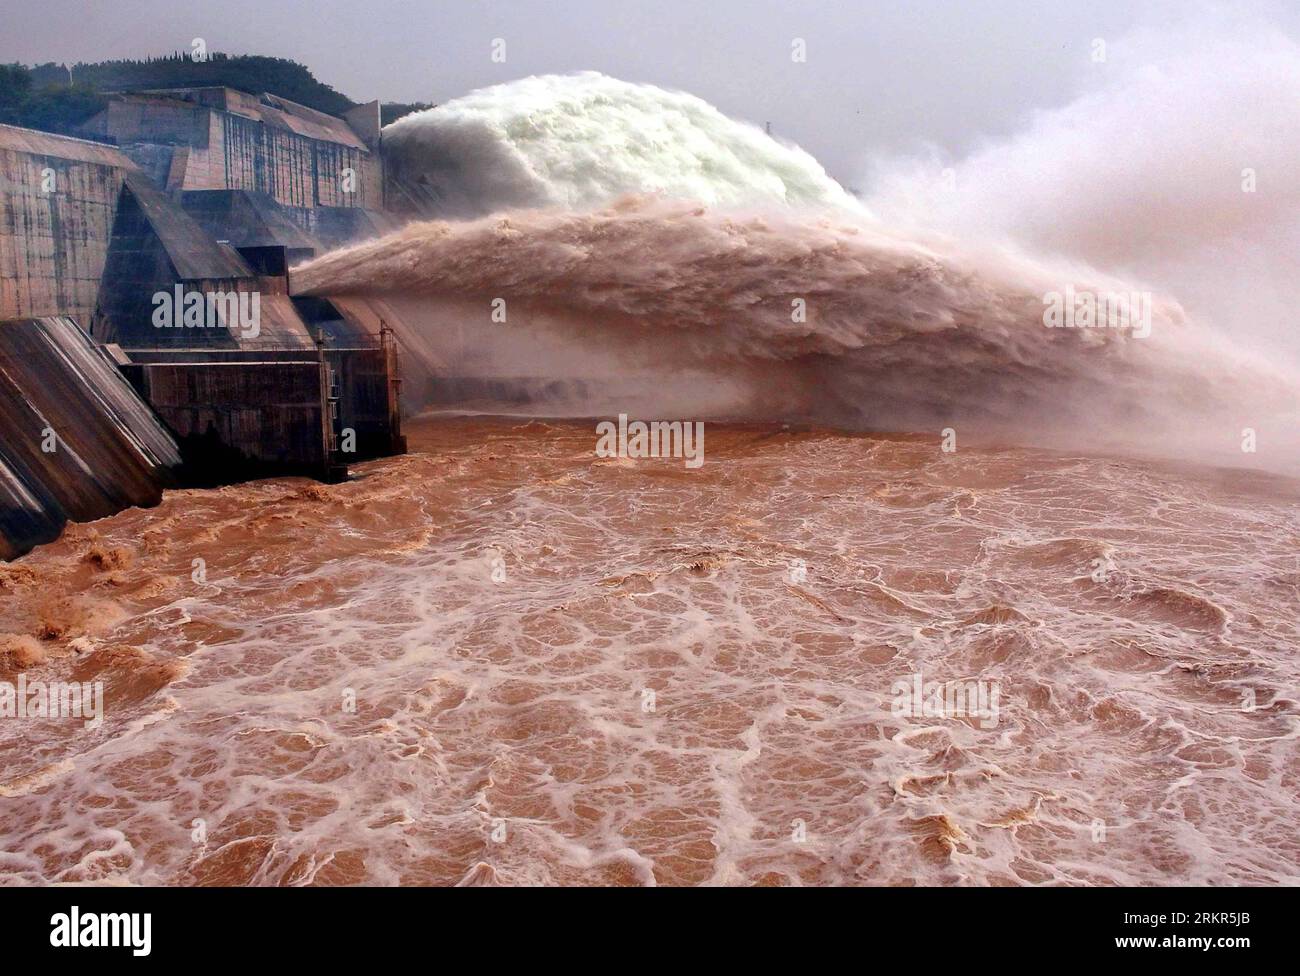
x: 643, y: 248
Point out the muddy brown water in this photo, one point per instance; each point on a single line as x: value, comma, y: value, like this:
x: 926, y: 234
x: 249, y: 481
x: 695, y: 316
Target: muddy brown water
x: 501, y: 659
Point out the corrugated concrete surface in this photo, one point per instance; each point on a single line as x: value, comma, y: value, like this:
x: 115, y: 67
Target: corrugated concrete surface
x: 76, y: 441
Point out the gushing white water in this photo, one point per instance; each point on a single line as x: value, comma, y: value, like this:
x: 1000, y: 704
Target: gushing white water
x: 582, y: 140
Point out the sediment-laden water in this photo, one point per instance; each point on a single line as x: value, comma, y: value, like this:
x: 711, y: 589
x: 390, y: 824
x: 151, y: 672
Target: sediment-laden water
x: 502, y: 659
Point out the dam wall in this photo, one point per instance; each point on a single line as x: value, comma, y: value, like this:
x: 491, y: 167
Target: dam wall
x: 104, y: 402
x: 158, y: 248
x: 361, y: 351
x: 236, y: 420
x: 76, y: 440
x: 218, y: 138
x: 58, y: 202
x: 367, y: 401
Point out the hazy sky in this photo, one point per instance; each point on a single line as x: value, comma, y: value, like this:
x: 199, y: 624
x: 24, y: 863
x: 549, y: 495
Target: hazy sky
x: 880, y: 74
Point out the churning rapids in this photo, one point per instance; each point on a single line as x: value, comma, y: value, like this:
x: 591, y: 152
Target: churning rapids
x: 503, y: 659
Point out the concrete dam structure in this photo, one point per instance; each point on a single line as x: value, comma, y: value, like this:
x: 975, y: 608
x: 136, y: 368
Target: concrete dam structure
x: 148, y: 334
x: 78, y: 441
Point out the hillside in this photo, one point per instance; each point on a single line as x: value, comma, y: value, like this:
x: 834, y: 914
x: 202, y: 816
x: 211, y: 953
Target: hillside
x: 59, y: 98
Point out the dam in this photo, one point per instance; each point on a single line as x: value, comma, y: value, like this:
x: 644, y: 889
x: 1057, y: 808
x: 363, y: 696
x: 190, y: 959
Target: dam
x: 110, y: 391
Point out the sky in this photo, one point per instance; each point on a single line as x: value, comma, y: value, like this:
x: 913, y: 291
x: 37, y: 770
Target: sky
x: 880, y: 76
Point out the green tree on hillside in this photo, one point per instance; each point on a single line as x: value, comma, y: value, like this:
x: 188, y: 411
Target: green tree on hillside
x: 52, y: 108
x: 60, y: 98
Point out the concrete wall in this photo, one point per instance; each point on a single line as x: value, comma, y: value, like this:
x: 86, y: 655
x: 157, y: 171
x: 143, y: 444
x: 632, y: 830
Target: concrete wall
x: 155, y: 120
x: 221, y: 139
x: 363, y: 380
x: 237, y: 420
x: 157, y: 246
x: 294, y: 170
x: 58, y: 201
x: 76, y: 441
